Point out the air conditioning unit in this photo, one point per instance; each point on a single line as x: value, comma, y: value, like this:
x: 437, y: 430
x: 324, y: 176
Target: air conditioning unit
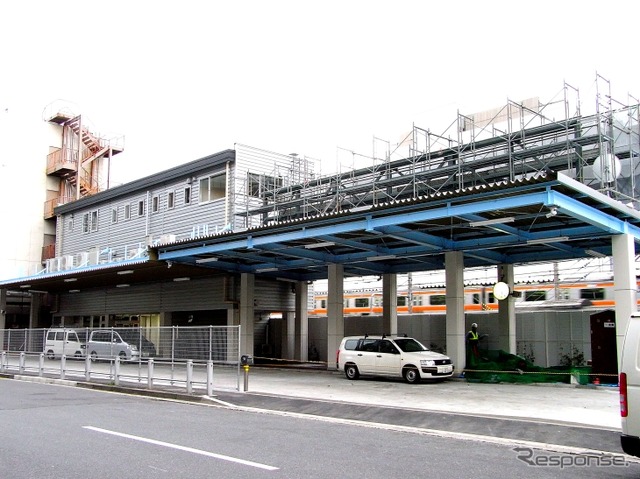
x: 68, y: 261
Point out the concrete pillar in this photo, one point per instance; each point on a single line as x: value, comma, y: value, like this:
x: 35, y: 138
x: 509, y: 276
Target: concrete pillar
x: 335, y: 318
x: 455, y: 324
x: 507, y: 312
x: 247, y: 312
x: 34, y: 310
x: 3, y: 315
x: 165, y: 318
x: 288, y: 334
x: 301, y: 345
x: 623, y: 248
x: 389, y: 304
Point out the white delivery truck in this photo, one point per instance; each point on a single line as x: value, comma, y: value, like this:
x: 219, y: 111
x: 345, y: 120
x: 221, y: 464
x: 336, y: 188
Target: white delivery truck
x: 630, y: 388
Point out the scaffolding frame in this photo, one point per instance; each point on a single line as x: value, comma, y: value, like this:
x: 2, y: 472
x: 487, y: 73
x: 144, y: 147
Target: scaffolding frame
x: 518, y: 140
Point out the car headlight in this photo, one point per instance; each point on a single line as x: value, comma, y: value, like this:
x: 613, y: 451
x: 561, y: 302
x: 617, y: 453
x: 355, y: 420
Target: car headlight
x: 134, y: 347
x: 427, y: 362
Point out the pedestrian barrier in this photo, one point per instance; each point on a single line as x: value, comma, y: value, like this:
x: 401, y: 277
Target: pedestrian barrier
x: 182, y: 358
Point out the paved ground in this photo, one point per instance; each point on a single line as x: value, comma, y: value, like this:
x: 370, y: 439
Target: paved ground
x: 562, y: 415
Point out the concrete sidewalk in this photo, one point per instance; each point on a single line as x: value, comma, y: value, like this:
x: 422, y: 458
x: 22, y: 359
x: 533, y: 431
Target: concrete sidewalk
x: 555, y: 403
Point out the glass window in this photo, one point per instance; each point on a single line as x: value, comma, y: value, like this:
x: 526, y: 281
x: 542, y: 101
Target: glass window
x: 592, y: 293
x: 362, y: 302
x: 170, y: 199
x: 535, y: 295
x: 438, y: 300
x: 127, y: 212
x: 90, y: 221
x: 401, y: 301
x: 187, y: 195
x: 476, y: 298
x: 141, y: 208
x: 258, y: 183
x: 155, y: 204
x: 114, y: 215
x: 213, y: 188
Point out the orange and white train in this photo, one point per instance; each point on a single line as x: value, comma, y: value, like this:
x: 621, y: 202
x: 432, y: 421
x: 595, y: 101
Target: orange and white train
x: 528, y: 296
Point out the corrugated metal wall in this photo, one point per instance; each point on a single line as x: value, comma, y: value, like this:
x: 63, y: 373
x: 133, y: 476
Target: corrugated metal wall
x: 194, y: 295
x: 181, y: 220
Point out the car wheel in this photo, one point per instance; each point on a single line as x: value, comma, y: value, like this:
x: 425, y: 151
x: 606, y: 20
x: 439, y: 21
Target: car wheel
x: 122, y: 355
x: 351, y: 371
x: 94, y: 356
x: 50, y: 355
x: 411, y: 375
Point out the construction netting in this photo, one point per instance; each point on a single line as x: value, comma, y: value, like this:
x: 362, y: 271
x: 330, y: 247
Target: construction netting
x: 497, y: 366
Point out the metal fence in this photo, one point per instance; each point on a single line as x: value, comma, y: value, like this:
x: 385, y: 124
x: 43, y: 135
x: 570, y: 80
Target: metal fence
x: 174, y: 357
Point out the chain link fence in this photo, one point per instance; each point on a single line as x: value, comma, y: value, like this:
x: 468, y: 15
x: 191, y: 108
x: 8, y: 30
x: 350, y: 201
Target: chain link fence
x: 189, y: 357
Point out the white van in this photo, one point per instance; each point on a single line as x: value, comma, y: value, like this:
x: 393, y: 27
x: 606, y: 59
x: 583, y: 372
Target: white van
x: 630, y: 388
x: 59, y: 341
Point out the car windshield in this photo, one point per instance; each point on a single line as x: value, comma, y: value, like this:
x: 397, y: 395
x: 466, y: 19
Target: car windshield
x: 409, y: 345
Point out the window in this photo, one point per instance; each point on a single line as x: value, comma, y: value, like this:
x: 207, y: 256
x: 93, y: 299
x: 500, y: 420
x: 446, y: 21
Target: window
x: 170, y: 199
x: 70, y: 224
x: 323, y: 304
x: 362, y: 302
x: 187, y: 195
x: 535, y: 295
x: 258, y: 183
x: 592, y: 293
x: 213, y: 188
x: 127, y: 212
x: 401, y: 301
x: 155, y: 204
x: 438, y: 300
x: 114, y: 215
x: 476, y: 298
x: 141, y: 208
x: 90, y: 221
x: 417, y: 300
x: 563, y: 293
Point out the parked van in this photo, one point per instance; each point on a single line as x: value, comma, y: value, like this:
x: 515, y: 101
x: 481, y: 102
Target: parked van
x: 630, y: 388
x: 59, y: 341
x: 107, y: 344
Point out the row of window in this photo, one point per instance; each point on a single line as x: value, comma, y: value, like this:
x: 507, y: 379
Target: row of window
x: 440, y: 299
x: 211, y: 188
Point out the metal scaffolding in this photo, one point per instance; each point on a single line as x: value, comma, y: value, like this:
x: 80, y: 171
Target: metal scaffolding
x: 517, y: 140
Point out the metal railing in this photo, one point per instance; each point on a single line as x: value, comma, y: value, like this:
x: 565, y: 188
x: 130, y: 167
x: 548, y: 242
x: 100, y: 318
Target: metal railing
x: 185, y: 358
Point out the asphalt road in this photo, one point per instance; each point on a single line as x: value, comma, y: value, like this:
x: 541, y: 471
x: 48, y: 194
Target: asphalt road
x: 66, y: 432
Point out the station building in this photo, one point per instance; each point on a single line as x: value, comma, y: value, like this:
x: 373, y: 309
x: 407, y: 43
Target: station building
x: 238, y: 235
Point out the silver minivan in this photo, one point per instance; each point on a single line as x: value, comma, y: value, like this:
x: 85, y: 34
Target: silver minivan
x: 108, y: 344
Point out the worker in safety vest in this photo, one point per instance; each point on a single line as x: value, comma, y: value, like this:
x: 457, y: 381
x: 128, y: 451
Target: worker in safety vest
x: 473, y: 353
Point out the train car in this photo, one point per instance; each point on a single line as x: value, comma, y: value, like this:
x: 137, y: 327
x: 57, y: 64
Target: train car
x: 477, y: 298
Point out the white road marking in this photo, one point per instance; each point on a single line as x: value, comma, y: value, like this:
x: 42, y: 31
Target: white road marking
x: 183, y: 448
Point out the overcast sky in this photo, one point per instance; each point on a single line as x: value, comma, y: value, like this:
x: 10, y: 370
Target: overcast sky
x: 182, y: 80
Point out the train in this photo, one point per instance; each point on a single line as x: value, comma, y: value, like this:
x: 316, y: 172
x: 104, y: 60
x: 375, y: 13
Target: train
x: 597, y: 295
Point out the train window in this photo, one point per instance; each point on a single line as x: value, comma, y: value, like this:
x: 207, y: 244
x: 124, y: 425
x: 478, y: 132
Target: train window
x: 346, y: 302
x: 362, y: 302
x: 536, y: 295
x: 401, y: 301
x: 563, y: 293
x: 491, y: 298
x: 476, y: 298
x: 592, y: 293
x: 323, y: 304
x: 438, y: 299
x: 377, y: 300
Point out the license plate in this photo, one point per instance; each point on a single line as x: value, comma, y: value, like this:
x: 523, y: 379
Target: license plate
x: 445, y: 369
